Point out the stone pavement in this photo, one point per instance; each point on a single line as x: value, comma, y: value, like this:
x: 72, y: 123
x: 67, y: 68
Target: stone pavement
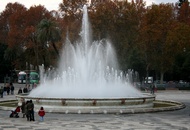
x: 168, y: 120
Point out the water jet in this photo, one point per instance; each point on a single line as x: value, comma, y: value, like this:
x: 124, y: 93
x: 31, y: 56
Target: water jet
x: 87, y: 80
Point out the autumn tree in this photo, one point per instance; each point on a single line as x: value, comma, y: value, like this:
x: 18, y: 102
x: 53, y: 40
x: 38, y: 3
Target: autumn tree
x: 12, y: 22
x: 182, y: 60
x: 119, y: 21
x: 5, y: 65
x: 35, y: 52
x: 179, y: 40
x: 72, y: 17
x: 19, y: 32
x: 156, y: 50
x: 127, y: 32
x: 183, y: 12
x: 115, y: 20
x: 153, y: 38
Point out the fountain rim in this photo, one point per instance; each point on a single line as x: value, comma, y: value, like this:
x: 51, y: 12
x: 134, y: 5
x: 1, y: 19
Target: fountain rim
x: 145, y: 96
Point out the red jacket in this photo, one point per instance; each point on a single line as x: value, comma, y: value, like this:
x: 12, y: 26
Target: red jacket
x: 41, y: 112
x: 17, y: 109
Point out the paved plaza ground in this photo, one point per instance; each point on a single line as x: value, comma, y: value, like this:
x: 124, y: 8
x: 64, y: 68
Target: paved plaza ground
x: 168, y: 120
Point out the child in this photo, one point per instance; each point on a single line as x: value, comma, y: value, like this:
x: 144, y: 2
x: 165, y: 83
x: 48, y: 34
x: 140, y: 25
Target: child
x: 41, y: 113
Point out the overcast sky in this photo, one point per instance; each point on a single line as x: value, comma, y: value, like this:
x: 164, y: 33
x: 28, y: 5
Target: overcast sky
x: 54, y: 4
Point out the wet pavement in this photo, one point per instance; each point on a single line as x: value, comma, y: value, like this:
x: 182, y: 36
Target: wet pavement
x: 168, y: 120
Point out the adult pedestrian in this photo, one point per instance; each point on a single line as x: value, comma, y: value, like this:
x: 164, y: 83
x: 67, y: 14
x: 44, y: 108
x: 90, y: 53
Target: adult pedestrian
x: 31, y: 110
x: 12, y: 88
x: 23, y: 109
x: 27, y: 111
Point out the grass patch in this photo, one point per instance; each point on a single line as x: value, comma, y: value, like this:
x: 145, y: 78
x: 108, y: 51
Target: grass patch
x: 162, y: 104
x: 9, y: 104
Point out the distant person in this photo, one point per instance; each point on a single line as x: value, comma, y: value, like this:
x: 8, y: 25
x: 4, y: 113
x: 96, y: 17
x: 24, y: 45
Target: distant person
x: 41, y: 113
x: 8, y: 89
x: 12, y: 88
x: 28, y: 87
x: 25, y: 89
x: 152, y: 87
x: 35, y: 85
x: 20, y: 91
x: 5, y: 90
x: 1, y: 91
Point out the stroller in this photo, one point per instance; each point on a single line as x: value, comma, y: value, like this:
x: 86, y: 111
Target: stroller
x: 14, y: 114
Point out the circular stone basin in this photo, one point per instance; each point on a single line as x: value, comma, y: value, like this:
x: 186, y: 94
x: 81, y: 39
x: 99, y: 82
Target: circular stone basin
x: 159, y: 106
x: 94, y: 105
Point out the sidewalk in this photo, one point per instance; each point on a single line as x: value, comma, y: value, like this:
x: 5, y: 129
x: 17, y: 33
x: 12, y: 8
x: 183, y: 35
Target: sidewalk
x: 167, y: 120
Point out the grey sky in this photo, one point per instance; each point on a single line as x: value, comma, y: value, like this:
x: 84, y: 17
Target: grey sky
x: 53, y: 4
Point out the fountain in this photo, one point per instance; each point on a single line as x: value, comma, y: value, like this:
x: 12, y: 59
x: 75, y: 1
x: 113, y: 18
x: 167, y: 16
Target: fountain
x: 87, y: 80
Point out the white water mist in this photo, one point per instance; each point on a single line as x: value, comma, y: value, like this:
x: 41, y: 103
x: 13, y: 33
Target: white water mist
x: 86, y: 70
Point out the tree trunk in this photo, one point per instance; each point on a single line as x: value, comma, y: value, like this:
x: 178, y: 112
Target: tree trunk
x: 161, y: 77
x: 44, y: 62
x: 147, y: 73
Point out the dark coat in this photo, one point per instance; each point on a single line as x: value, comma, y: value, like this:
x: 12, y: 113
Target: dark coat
x: 25, y: 90
x: 23, y: 107
x: 30, y: 106
x: 12, y: 88
x: 19, y: 91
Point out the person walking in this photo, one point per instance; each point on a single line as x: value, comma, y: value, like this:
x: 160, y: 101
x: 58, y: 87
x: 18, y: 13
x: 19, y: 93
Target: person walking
x: 41, y: 113
x: 12, y: 88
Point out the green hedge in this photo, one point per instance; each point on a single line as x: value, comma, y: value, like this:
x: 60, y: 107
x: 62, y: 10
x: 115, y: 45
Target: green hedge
x: 184, y: 88
x: 158, y: 88
x: 161, y: 88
